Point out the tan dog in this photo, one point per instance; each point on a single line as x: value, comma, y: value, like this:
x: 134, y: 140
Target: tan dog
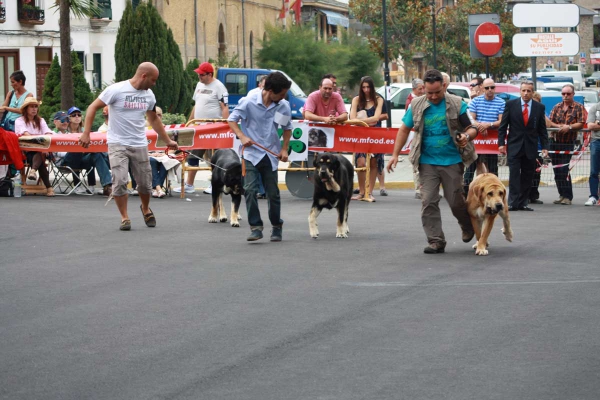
x: 486, y: 200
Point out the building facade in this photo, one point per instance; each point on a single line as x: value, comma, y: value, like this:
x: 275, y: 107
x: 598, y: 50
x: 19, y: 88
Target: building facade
x: 30, y: 36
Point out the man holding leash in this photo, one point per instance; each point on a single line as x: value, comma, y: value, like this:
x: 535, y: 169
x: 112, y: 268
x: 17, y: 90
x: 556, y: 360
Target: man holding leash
x: 440, y: 154
x: 261, y: 113
x: 129, y: 101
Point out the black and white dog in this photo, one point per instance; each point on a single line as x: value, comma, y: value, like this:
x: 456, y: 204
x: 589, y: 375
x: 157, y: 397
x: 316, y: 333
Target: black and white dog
x: 227, y: 180
x: 333, y: 179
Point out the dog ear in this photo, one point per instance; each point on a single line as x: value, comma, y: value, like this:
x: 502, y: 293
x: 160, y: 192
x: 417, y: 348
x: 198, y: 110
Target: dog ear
x: 481, y: 191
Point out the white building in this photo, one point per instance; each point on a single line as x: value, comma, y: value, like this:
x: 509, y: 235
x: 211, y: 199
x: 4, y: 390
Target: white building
x: 29, y: 38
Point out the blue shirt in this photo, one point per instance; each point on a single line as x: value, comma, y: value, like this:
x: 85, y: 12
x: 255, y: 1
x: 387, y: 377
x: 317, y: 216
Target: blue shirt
x: 487, y: 110
x: 437, y: 146
x: 260, y: 124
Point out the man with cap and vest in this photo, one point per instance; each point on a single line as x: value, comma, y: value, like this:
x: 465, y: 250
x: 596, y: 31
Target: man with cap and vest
x: 210, y: 102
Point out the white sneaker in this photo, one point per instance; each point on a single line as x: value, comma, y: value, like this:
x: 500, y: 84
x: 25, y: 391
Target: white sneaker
x: 208, y: 190
x: 82, y: 190
x: 188, y: 189
x: 592, y: 201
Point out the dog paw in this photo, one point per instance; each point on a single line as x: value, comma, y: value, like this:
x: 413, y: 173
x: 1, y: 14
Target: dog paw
x: 474, y: 246
x: 223, y: 219
x: 481, y: 252
x: 508, y: 235
x: 341, y: 235
x: 212, y: 220
x: 235, y: 224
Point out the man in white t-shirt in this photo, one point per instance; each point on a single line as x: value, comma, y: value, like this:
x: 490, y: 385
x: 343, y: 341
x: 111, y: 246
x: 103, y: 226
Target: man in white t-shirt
x: 128, y: 102
x: 210, y: 98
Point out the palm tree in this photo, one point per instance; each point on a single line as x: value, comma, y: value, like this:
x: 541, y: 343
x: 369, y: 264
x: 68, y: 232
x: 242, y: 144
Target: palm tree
x: 80, y: 9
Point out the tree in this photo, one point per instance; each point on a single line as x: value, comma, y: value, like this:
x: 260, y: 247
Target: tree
x: 52, y: 94
x: 144, y: 36
x: 80, y: 9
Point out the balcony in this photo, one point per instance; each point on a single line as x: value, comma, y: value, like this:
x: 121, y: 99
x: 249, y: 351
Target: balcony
x: 31, y: 12
x: 105, y: 16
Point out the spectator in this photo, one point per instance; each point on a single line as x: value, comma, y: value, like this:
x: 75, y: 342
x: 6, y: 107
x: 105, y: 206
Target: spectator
x: 211, y: 99
x: 160, y: 164
x: 14, y: 100
x: 325, y: 105
x: 418, y: 88
x: 30, y: 124
x: 128, y: 102
x: 568, y: 117
x: 593, y: 124
x: 437, y: 156
x: 487, y: 111
x: 261, y: 113
x: 476, y: 89
x: 333, y: 79
x: 527, y: 121
x: 367, y: 106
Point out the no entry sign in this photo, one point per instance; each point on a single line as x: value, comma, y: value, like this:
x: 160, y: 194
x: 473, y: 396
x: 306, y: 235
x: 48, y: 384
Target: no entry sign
x: 488, y: 39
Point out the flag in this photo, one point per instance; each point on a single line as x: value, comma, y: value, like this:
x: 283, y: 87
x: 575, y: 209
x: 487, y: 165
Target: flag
x: 285, y: 10
x: 296, y: 7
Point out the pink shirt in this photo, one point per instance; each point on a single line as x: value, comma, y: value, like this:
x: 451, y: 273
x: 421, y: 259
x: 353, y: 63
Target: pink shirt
x: 314, y: 104
x: 22, y: 127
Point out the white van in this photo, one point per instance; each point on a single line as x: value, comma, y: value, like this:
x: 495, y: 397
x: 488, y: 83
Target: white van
x: 578, y: 81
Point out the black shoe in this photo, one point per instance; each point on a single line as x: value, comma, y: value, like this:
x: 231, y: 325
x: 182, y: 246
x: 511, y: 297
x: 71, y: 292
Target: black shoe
x: 526, y: 208
x: 536, y: 201
x: 467, y: 236
x: 356, y: 191
x: 511, y: 208
x: 434, y: 248
x: 277, y: 234
x: 255, y: 234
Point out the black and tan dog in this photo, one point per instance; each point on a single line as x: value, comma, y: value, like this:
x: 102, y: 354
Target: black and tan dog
x: 333, y: 179
x: 226, y: 178
x: 486, y: 200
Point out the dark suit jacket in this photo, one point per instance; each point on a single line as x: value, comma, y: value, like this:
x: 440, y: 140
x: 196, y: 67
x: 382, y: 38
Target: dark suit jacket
x: 521, y: 136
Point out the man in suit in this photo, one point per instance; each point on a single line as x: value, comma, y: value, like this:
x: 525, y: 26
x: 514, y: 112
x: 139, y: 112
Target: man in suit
x: 527, y: 120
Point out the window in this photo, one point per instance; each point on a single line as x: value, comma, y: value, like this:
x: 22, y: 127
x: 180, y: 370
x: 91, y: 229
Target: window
x: 105, y: 9
x: 236, y: 84
x: 97, y: 72
x: 258, y: 78
x: 81, y: 57
x: 9, y: 63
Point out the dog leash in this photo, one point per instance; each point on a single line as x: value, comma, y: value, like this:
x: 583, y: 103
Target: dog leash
x: 187, y: 153
x: 244, y: 161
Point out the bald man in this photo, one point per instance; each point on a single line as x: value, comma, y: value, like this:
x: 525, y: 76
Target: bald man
x: 325, y: 104
x: 128, y: 102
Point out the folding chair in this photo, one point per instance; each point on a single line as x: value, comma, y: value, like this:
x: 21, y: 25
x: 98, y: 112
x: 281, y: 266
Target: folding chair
x: 27, y: 188
x: 63, y: 186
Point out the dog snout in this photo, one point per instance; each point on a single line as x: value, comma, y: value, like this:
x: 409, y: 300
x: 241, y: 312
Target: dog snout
x: 499, y: 206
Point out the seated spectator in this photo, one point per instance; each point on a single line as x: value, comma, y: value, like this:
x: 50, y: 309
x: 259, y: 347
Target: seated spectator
x: 160, y: 164
x: 14, y: 100
x: 85, y: 160
x: 30, y: 124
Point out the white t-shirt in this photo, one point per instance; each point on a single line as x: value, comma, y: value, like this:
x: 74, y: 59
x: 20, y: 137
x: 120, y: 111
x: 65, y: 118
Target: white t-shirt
x: 127, y: 108
x: 208, y: 99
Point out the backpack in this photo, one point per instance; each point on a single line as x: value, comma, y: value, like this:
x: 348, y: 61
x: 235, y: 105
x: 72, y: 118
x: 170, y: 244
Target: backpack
x: 7, y: 186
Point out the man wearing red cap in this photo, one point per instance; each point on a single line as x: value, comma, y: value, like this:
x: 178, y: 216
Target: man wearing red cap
x: 210, y: 98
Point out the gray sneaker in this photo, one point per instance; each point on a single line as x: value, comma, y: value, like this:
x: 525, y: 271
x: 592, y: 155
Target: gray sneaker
x: 434, y: 248
x: 277, y: 234
x: 255, y: 234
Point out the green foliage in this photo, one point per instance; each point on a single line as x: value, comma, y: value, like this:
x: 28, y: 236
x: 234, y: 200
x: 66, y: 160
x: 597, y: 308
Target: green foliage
x: 51, y: 96
x: 225, y: 61
x: 51, y: 93
x: 81, y: 8
x: 143, y: 36
x: 98, y: 120
x: 169, y: 119
x: 297, y: 53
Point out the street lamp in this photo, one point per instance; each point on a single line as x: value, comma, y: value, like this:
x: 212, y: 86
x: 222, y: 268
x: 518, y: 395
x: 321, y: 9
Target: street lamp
x: 433, y: 13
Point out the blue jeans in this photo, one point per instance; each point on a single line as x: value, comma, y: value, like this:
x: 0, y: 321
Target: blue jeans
x: 265, y: 171
x: 159, y: 173
x: 594, y: 167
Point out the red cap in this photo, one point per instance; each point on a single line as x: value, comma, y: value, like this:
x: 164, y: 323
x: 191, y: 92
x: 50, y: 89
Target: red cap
x: 205, y: 68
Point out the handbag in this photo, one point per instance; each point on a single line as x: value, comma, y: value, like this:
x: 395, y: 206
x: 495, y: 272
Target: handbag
x: 7, y: 186
x: 5, y: 123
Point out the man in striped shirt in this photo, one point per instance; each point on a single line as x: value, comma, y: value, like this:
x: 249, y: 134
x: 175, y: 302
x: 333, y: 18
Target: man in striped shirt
x: 487, y: 111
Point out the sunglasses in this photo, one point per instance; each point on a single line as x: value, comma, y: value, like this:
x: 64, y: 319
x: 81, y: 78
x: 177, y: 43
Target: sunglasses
x: 75, y: 115
x: 566, y: 94
x: 474, y: 84
x: 489, y: 87
x: 63, y: 120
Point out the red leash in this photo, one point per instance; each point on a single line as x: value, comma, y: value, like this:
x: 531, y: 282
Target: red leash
x: 242, y: 155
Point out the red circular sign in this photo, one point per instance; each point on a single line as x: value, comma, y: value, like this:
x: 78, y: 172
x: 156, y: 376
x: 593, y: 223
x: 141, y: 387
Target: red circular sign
x: 488, y: 39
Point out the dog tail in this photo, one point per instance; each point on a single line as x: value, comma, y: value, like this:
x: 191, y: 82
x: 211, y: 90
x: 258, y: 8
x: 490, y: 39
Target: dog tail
x: 481, y: 168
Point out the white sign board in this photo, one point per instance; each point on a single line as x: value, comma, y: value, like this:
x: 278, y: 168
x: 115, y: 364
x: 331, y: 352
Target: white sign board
x: 545, y: 15
x: 545, y: 44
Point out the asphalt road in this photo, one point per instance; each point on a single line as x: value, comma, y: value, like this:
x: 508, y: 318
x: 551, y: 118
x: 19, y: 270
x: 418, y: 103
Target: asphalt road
x: 190, y: 310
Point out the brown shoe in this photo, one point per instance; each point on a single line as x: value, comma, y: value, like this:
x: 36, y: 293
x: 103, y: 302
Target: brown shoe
x: 566, y: 202
x: 559, y: 201
x: 434, y: 248
x: 467, y: 236
x: 107, y: 191
x: 149, y: 218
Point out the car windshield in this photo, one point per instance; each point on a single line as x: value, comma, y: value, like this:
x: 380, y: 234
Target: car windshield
x: 589, y: 96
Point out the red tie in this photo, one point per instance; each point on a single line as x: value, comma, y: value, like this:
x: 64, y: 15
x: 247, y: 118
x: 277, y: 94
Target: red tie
x: 525, y: 114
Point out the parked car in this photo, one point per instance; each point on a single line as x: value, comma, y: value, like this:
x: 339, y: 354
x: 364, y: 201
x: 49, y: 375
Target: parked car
x: 590, y: 97
x: 239, y: 81
x: 400, y: 91
x: 593, y: 80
